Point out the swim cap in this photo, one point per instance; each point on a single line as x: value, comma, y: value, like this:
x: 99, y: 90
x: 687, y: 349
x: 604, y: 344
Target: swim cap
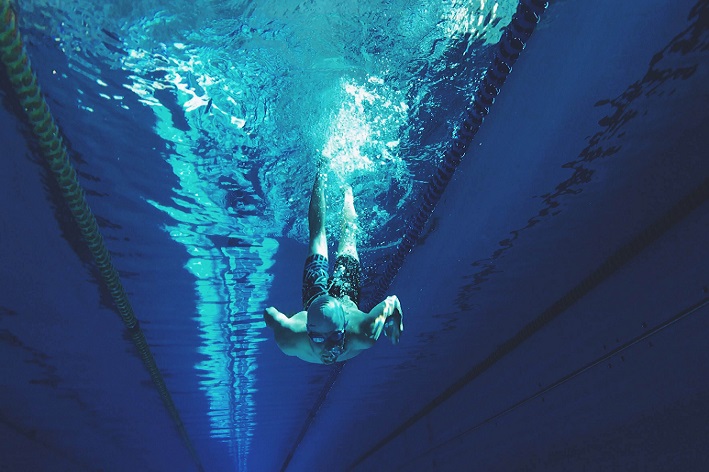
x: 327, y: 307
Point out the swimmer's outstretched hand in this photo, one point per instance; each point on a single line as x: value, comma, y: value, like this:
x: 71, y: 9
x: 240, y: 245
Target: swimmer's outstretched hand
x: 394, y: 324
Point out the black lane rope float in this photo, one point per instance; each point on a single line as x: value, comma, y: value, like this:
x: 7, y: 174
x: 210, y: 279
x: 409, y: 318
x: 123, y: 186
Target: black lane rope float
x: 24, y: 83
x: 507, y: 52
x: 508, y: 49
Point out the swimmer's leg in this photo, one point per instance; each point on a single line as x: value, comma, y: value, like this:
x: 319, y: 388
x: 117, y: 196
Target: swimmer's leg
x: 348, y: 235
x: 345, y: 280
x: 316, y: 218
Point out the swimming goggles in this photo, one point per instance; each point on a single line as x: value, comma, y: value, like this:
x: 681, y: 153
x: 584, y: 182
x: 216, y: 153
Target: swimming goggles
x: 335, y: 337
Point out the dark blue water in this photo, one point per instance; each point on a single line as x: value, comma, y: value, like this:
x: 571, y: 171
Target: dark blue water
x: 196, y: 129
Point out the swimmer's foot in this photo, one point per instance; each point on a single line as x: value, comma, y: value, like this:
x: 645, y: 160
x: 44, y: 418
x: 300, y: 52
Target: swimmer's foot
x: 348, y: 210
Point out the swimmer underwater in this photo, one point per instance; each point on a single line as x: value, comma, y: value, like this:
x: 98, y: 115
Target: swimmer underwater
x: 332, y: 328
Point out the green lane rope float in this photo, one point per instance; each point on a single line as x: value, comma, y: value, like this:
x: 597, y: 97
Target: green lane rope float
x: 24, y: 82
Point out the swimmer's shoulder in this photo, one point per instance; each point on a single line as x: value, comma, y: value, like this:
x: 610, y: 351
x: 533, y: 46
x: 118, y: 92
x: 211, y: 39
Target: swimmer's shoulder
x: 358, y: 329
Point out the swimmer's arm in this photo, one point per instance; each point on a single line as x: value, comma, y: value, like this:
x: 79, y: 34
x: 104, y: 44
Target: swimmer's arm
x: 289, y: 333
x: 387, y: 318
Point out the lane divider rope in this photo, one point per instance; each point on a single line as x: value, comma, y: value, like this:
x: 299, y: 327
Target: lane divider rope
x: 507, y: 52
x: 25, y: 85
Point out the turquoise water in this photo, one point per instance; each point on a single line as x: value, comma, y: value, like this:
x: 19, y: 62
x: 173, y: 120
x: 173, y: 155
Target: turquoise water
x: 246, y: 99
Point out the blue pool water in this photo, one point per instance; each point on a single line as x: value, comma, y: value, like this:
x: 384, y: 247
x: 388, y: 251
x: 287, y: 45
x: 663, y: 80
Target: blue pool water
x: 196, y: 129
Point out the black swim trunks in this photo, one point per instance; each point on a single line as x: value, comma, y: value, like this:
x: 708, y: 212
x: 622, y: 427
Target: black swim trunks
x: 344, y: 281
